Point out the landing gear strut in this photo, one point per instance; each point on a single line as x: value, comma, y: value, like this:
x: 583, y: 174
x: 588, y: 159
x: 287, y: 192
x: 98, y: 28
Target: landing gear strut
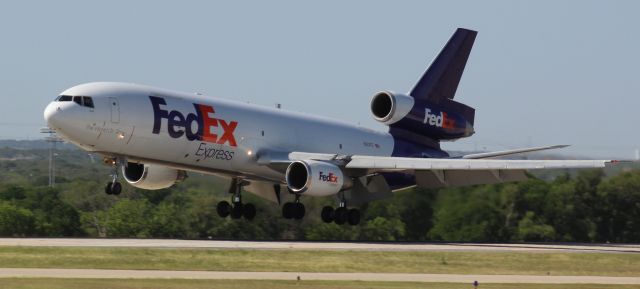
x: 341, y: 215
x: 236, y: 209
x: 114, y: 187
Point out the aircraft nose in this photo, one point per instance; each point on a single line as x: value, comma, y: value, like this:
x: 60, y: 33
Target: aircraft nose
x: 52, y: 115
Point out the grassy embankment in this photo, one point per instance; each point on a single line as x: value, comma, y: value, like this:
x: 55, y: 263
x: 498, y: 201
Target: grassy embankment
x: 580, y: 264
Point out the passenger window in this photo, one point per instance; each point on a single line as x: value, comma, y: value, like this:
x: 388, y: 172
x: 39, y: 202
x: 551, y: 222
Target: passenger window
x: 64, y: 98
x: 77, y: 99
x: 88, y: 102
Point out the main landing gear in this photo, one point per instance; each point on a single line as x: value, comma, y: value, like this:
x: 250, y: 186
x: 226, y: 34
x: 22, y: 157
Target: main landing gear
x: 341, y: 215
x: 236, y: 209
x: 293, y: 210
x: 113, y: 187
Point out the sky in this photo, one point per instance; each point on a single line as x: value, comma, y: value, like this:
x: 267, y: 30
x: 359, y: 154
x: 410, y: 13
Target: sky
x: 540, y: 73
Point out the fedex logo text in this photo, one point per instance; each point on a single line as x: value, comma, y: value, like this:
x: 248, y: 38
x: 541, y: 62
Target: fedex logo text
x: 438, y: 120
x: 179, y: 125
x: 330, y: 178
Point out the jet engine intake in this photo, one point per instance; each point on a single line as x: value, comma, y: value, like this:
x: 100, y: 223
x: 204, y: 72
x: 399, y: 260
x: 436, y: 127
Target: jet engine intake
x: 388, y: 107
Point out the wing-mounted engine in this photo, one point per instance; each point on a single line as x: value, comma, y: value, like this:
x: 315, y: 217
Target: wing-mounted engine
x: 316, y: 178
x: 446, y: 120
x: 151, y: 177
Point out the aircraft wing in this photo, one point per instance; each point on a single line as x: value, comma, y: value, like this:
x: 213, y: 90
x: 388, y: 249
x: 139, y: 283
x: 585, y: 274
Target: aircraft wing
x: 435, y: 172
x: 438, y: 173
x: 399, y: 164
x: 510, y: 152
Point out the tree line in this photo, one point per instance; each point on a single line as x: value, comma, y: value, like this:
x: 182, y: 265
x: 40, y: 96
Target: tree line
x: 587, y: 207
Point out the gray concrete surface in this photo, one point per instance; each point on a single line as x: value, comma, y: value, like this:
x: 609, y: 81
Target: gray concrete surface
x: 392, y: 277
x: 161, y: 243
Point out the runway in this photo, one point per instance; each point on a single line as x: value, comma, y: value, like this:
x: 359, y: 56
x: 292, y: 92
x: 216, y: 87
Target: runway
x: 298, y: 245
x: 387, y: 277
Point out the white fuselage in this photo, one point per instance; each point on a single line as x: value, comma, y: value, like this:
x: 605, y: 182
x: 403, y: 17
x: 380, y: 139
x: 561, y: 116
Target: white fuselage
x: 233, y: 135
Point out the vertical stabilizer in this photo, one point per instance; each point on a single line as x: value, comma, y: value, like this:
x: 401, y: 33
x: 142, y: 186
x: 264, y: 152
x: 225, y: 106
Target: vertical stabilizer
x: 441, y: 79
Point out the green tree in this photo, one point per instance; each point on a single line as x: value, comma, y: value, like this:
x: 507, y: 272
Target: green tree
x: 472, y: 217
x: 13, y: 192
x: 129, y: 218
x: 619, y: 218
x: 330, y: 231
x: 381, y: 229
x: 169, y: 220
x: 54, y: 217
x: 531, y: 228
x: 15, y: 221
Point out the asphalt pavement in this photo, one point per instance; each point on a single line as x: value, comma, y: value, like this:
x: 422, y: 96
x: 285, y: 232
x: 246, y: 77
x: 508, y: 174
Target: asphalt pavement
x: 299, y: 245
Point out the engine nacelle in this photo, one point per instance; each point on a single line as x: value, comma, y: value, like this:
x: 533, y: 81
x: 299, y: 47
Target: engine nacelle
x: 389, y: 107
x: 316, y: 178
x: 445, y: 120
x: 151, y: 177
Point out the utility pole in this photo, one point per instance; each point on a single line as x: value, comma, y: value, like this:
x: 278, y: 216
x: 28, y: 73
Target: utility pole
x: 52, y: 139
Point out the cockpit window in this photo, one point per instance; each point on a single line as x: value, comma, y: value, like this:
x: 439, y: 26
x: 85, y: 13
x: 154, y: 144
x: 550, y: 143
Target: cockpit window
x: 77, y: 99
x: 88, y: 102
x: 64, y: 98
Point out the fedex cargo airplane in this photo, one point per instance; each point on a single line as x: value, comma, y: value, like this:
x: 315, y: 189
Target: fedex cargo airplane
x: 152, y: 137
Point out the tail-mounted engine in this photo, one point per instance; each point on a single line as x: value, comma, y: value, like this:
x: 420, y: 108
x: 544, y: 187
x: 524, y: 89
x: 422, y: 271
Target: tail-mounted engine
x: 388, y: 107
x: 446, y: 120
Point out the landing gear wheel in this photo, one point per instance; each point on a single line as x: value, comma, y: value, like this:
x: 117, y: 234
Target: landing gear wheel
x: 113, y: 188
x: 327, y: 214
x: 107, y: 189
x: 288, y: 210
x: 117, y: 188
x: 249, y: 211
x: 236, y: 211
x: 223, y: 209
x: 299, y: 211
x: 353, y: 217
x: 340, y: 215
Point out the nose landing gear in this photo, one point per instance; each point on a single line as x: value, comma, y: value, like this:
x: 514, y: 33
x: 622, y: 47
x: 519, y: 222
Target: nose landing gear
x: 113, y: 187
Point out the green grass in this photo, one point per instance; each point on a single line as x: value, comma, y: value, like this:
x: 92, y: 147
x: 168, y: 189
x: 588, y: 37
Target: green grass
x: 50, y: 283
x: 585, y: 264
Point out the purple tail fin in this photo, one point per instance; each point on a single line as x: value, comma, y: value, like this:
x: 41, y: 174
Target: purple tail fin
x: 439, y: 83
x: 435, y: 116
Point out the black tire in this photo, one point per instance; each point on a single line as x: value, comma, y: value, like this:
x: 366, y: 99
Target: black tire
x: 327, y: 214
x: 236, y: 211
x: 107, y: 188
x: 340, y: 215
x: 299, y: 211
x: 287, y: 210
x: 353, y: 217
x: 117, y: 189
x: 223, y: 209
x: 249, y: 211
